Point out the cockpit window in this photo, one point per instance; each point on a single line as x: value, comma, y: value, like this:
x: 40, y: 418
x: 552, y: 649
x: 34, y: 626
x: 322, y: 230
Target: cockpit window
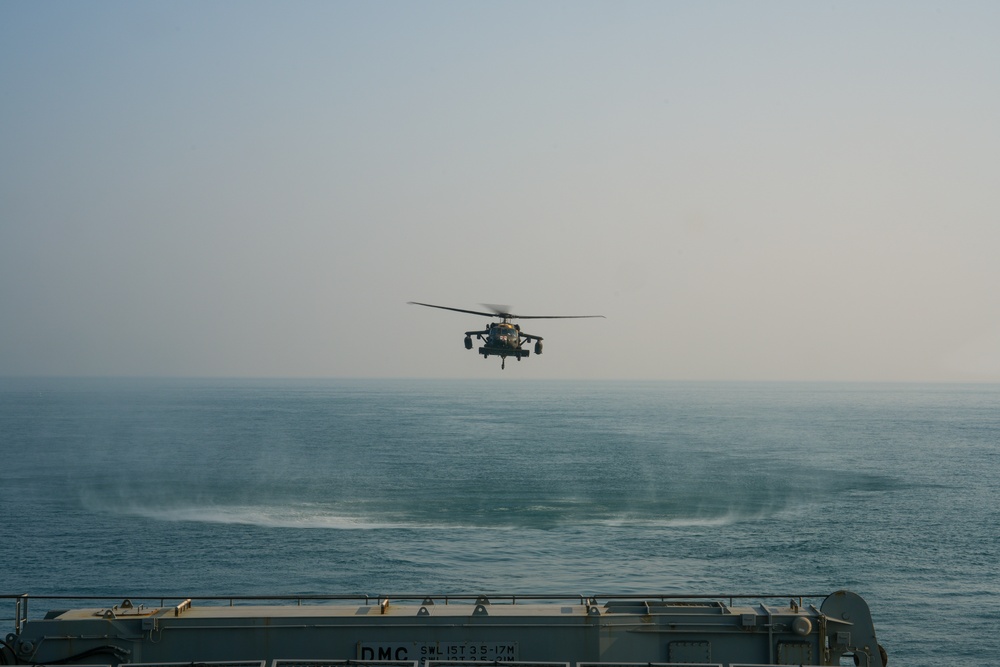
x: 504, y: 332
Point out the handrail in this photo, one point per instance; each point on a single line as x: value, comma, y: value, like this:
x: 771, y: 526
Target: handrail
x: 424, y: 596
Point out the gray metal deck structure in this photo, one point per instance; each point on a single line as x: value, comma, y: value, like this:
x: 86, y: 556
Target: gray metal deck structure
x: 446, y: 631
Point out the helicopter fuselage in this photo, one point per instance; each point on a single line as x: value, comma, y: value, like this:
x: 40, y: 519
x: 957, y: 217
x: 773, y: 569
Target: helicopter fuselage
x: 503, y: 339
x: 504, y: 336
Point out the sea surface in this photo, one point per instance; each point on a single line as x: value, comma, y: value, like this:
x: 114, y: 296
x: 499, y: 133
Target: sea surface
x: 185, y: 487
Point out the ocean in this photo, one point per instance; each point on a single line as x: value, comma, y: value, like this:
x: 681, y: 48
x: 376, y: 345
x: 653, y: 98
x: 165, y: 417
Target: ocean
x: 187, y: 487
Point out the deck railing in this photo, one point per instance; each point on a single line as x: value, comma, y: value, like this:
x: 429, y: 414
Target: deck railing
x: 21, y: 600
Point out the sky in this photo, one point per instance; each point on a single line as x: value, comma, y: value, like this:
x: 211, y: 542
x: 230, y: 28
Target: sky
x: 759, y: 191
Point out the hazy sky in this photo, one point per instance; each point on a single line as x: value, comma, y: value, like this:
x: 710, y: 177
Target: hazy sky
x: 747, y: 190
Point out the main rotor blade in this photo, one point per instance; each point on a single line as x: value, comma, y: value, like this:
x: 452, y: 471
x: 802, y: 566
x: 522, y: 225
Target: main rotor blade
x: 457, y: 310
x: 496, y: 309
x: 504, y: 311
x: 555, y: 317
x: 497, y: 312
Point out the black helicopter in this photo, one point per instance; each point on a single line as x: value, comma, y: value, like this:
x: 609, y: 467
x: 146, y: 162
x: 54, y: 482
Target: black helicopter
x: 502, y: 338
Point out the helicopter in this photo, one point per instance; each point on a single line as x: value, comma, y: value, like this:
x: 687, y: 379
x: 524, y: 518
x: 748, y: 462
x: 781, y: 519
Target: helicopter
x: 503, y: 339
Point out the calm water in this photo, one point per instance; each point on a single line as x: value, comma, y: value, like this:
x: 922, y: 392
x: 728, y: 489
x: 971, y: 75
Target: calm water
x: 186, y: 487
